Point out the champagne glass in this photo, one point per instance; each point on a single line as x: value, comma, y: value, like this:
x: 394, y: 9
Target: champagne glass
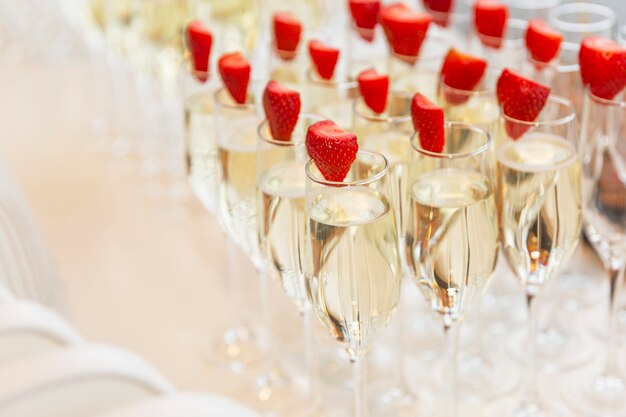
x: 577, y: 21
x: 539, y: 204
x: 353, y: 265
x: 330, y: 98
x: 280, y: 210
x: 452, y: 235
x: 512, y: 50
x: 603, y: 155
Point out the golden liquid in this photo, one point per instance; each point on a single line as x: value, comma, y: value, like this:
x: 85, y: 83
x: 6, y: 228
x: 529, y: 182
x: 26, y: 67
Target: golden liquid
x: 163, y: 22
x: 539, y: 202
x: 355, y: 268
x: 452, y: 238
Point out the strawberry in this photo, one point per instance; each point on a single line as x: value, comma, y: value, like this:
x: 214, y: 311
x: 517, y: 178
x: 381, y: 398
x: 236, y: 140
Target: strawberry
x: 199, y: 42
x: 365, y: 17
x: 374, y: 89
x: 543, y: 42
x: 428, y: 123
x: 439, y: 10
x: 521, y: 99
x: 490, y: 21
x: 235, y: 72
x: 405, y: 30
x: 332, y: 149
x: 282, y: 107
x: 462, y: 72
x: 603, y: 66
x: 287, y: 31
x: 324, y: 58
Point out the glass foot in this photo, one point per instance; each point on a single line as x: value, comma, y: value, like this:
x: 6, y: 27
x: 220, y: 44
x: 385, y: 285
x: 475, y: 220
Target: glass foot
x: 597, y: 396
x: 236, y: 351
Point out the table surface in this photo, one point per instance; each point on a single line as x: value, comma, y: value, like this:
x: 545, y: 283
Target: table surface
x: 139, y: 271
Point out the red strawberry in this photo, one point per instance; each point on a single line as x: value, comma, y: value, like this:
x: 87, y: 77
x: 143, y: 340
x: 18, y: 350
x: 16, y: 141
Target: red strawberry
x: 235, y: 72
x: 287, y: 30
x: 374, y: 89
x: 521, y: 99
x: 603, y: 66
x: 324, y: 58
x: 439, y: 10
x: 365, y: 16
x: 542, y: 41
x: 282, y: 107
x: 199, y: 41
x: 332, y: 149
x: 428, y: 123
x: 462, y: 72
x: 490, y: 21
x: 405, y: 30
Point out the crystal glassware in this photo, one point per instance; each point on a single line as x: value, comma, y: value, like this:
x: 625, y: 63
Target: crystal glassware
x: 511, y: 51
x: 577, y: 21
x: 330, y: 98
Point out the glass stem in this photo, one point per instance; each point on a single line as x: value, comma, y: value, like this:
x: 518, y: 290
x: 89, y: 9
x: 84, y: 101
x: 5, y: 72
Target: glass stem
x: 616, y: 275
x: 398, y: 377
x: 312, y: 360
x: 235, y: 288
x: 358, y: 376
x: 451, y: 335
x: 266, y: 314
x: 531, y: 366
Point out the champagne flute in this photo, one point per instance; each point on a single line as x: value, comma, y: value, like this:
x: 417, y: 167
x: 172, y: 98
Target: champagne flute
x: 452, y: 235
x: 511, y: 52
x: 353, y: 265
x: 577, y: 21
x: 330, y: 98
x: 539, y: 203
x: 281, y: 224
x: 603, y: 152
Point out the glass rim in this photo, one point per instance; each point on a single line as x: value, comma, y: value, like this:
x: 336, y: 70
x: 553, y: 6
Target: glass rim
x: 480, y: 149
x: 473, y: 93
x: 562, y: 101
x: 364, y: 181
x: 554, y: 64
x: 608, y: 20
x: 452, y: 16
x: 219, y: 100
x: 315, y: 78
x: 604, y: 101
x: 380, y: 118
x: 510, y: 23
x: 284, y: 143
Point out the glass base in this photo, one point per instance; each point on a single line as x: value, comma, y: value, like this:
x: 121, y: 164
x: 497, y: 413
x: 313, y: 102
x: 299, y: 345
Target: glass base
x: 236, y: 351
x: 558, y: 349
x: 596, y: 396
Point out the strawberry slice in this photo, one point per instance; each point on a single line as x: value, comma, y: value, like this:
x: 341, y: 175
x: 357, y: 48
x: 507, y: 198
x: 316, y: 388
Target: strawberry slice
x: 199, y: 42
x: 332, y: 149
x: 235, y: 71
x: 282, y: 107
x: 365, y: 17
x: 490, y: 21
x: 462, y: 72
x: 287, y: 31
x: 521, y: 99
x: 405, y: 30
x: 428, y: 123
x: 439, y: 10
x: 603, y: 66
x: 324, y: 58
x: 374, y: 89
x: 543, y: 42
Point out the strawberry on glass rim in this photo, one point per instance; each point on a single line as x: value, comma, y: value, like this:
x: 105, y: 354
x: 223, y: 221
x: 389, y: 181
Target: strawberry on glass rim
x: 374, y: 89
x: 332, y: 149
x: 543, y: 42
x: 603, y: 66
x: 324, y: 58
x: 199, y: 43
x: 405, y: 30
x: 282, y: 107
x: 490, y: 18
x: 428, y: 122
x: 439, y: 10
x: 234, y: 69
x: 287, y: 32
x: 461, y: 72
x: 521, y: 99
x: 365, y: 17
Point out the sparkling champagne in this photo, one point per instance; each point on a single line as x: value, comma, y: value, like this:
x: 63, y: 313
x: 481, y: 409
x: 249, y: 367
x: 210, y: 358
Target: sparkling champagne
x: 355, y: 270
x: 452, y: 238
x: 282, y: 227
x: 539, y: 200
